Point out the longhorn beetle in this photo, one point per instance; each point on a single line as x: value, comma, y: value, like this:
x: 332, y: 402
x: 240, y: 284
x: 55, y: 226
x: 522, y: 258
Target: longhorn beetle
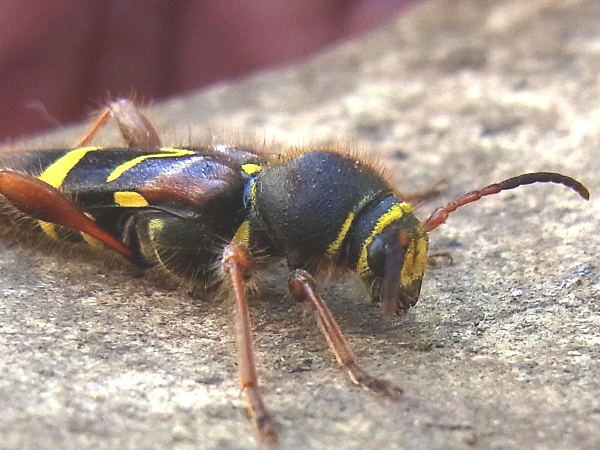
x: 170, y: 207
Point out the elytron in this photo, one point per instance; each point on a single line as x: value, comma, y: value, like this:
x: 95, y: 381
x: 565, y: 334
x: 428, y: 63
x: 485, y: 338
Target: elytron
x: 204, y: 213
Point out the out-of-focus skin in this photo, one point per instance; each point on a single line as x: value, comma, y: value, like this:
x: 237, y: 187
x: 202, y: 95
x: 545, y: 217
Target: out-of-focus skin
x: 60, y: 58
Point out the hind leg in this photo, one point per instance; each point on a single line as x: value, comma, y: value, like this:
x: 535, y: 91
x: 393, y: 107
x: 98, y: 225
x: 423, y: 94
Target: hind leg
x: 136, y: 129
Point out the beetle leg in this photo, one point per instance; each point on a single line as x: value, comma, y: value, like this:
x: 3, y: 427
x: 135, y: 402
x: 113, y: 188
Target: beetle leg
x: 43, y: 202
x: 429, y: 193
x: 433, y: 259
x: 236, y: 262
x: 135, y: 128
x: 302, y: 286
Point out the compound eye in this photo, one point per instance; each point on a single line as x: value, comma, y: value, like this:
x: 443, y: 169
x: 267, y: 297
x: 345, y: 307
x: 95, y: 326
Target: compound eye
x: 376, y: 255
x: 389, y: 244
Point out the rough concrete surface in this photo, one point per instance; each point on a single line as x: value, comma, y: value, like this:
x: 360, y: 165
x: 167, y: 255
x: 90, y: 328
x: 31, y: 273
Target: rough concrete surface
x: 503, y: 349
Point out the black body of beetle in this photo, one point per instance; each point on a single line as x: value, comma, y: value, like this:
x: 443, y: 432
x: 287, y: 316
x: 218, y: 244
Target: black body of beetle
x: 187, y: 209
x: 176, y: 207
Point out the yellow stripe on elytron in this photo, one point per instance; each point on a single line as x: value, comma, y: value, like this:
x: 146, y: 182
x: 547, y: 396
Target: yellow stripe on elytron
x: 335, y: 246
x: 49, y: 229
x: 55, y: 175
x: 130, y: 199
x: 56, y: 172
x: 167, y: 153
x: 251, y: 169
x: 174, y: 150
x: 394, y: 213
x: 242, y: 235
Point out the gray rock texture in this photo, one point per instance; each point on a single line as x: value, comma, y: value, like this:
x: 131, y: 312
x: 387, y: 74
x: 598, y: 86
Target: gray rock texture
x: 503, y: 349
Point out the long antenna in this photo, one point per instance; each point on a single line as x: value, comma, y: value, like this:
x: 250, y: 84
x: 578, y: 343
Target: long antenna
x: 440, y: 215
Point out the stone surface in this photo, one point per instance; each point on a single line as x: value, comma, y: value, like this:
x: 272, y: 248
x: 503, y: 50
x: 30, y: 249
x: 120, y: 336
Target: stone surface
x: 503, y: 349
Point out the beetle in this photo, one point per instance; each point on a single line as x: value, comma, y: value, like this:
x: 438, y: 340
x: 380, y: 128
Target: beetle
x: 202, y: 213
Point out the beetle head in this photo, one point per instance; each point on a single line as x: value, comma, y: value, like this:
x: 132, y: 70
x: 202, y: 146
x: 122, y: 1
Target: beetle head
x: 397, y: 259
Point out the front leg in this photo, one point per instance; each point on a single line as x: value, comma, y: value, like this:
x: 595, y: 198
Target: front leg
x: 44, y: 202
x: 303, y: 286
x: 237, y: 263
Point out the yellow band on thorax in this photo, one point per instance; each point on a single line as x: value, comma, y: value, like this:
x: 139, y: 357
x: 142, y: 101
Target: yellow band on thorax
x: 336, y: 245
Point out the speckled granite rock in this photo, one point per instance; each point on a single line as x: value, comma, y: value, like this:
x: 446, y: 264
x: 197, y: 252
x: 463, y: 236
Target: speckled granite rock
x: 503, y: 349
